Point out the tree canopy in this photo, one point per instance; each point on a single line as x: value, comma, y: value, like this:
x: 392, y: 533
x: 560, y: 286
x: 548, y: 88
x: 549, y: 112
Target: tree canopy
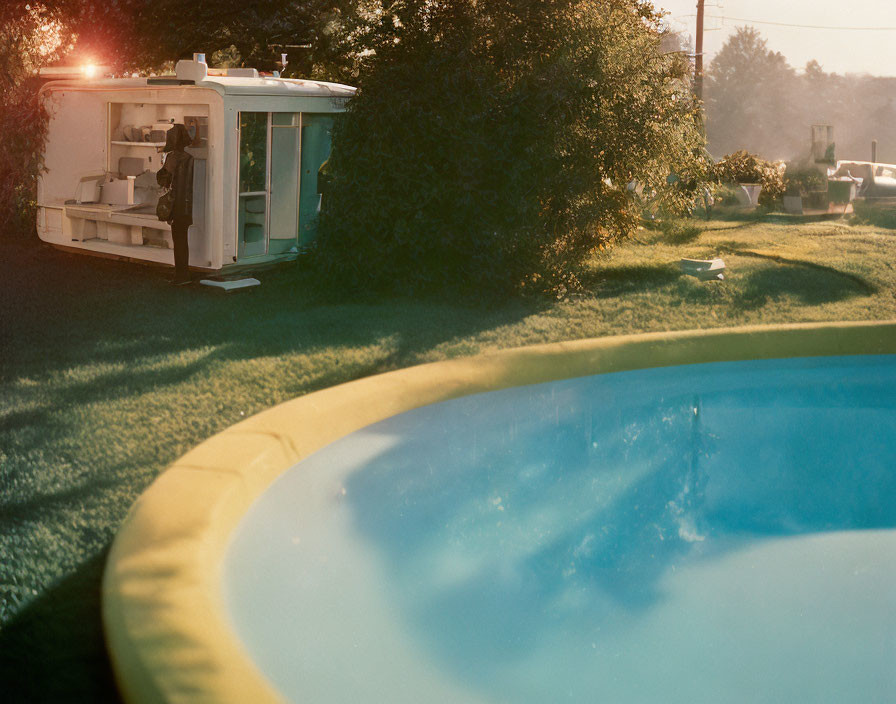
x: 749, y: 91
x: 145, y: 34
x: 490, y: 144
x: 312, y: 32
x: 30, y: 36
x: 756, y: 101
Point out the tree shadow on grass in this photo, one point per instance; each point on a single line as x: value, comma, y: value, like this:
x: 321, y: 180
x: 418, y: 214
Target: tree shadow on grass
x: 729, y: 228
x: 810, y: 284
x: 102, y: 387
x: 53, y: 650
x: 614, y: 281
x: 61, y: 310
x: 730, y: 247
x: 692, y: 291
x: 45, y: 503
x: 727, y: 213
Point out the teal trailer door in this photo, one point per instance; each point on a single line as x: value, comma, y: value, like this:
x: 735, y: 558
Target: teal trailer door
x: 316, y: 135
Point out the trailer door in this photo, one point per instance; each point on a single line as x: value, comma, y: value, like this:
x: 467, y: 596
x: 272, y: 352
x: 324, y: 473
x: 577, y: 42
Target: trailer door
x: 316, y: 130
x: 269, y: 182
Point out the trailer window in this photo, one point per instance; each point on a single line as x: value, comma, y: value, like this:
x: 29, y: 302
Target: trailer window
x: 253, y: 151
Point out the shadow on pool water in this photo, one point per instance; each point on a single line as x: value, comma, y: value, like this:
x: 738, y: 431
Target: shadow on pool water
x: 508, y: 518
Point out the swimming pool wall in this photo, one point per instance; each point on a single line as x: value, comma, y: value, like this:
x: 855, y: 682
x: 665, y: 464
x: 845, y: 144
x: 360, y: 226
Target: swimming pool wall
x: 167, y: 629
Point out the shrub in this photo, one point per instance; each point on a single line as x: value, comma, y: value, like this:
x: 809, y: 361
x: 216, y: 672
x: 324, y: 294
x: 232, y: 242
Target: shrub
x: 800, y: 180
x: 490, y: 144
x: 743, y: 167
x: 23, y: 123
x: 25, y: 33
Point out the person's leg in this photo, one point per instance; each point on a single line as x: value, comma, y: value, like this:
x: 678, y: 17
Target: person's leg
x: 181, y: 251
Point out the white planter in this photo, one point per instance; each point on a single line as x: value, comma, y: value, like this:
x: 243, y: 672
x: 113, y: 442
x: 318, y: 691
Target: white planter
x: 748, y: 194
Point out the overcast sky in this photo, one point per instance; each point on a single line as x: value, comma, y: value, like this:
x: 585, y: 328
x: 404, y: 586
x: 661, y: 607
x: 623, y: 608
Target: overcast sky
x: 839, y: 50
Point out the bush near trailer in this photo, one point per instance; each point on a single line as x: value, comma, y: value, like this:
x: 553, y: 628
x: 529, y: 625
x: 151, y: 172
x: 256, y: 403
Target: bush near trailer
x: 25, y: 43
x: 743, y: 167
x: 24, y: 126
x: 490, y: 145
x: 803, y: 180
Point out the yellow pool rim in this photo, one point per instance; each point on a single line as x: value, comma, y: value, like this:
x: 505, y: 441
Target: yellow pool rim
x: 167, y: 629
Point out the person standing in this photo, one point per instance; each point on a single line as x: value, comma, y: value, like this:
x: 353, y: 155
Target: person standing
x: 177, y: 174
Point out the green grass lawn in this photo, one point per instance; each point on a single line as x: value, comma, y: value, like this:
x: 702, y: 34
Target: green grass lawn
x: 107, y: 375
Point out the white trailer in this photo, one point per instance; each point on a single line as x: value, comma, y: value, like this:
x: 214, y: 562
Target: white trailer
x: 258, y: 144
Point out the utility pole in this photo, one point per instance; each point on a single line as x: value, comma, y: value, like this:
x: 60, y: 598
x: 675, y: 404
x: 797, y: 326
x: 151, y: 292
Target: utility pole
x: 698, y: 57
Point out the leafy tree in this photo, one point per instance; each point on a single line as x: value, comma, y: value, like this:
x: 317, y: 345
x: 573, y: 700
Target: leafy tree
x: 29, y: 36
x: 755, y: 101
x: 314, y: 33
x: 750, y: 99
x: 72, y: 29
x: 490, y: 144
x: 147, y: 34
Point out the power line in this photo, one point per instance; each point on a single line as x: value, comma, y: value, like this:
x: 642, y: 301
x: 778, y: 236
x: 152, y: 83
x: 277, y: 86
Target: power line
x: 808, y: 26
x: 799, y: 26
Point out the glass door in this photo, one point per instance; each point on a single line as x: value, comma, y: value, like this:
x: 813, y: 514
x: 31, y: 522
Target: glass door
x: 269, y: 176
x: 315, y: 150
x: 253, y: 184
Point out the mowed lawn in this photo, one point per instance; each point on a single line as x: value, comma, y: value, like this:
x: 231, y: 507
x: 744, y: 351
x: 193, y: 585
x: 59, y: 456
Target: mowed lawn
x: 108, y: 374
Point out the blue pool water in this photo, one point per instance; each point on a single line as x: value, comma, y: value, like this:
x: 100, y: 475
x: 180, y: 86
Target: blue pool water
x: 707, y: 533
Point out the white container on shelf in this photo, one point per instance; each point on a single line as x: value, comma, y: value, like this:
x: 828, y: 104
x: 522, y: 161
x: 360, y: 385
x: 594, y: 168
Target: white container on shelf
x: 118, y: 191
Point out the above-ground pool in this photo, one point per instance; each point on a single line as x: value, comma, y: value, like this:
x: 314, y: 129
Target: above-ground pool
x: 704, y: 516
x: 707, y: 533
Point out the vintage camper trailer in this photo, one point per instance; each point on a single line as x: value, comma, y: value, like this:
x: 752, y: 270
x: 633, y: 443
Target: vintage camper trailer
x: 871, y: 179
x: 258, y: 143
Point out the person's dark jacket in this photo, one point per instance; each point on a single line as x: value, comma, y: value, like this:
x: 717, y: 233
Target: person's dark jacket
x: 177, y: 173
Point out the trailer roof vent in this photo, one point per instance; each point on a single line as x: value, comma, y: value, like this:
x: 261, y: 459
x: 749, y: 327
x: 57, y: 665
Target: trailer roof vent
x: 242, y: 73
x: 192, y: 70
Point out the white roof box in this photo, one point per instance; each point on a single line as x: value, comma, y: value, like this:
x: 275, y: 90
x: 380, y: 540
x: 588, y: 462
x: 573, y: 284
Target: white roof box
x: 187, y: 70
x: 241, y: 72
x: 197, y: 70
